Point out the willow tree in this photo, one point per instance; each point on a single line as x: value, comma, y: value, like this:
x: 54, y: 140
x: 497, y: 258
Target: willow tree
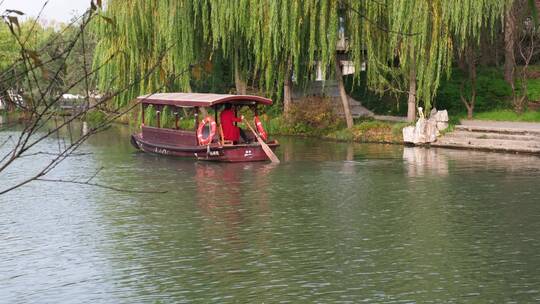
x: 149, y: 44
x: 410, y: 43
x: 281, y: 37
x: 265, y: 40
x: 404, y: 42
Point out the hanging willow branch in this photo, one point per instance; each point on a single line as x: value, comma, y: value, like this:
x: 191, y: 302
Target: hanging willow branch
x: 264, y: 36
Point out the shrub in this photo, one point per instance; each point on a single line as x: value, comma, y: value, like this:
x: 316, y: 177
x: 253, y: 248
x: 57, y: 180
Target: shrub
x: 95, y: 117
x: 377, y: 131
x: 371, y: 131
x: 313, y: 116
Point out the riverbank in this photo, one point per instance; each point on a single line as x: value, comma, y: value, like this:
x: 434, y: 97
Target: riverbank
x: 459, y: 134
x: 498, y: 131
x: 364, y: 130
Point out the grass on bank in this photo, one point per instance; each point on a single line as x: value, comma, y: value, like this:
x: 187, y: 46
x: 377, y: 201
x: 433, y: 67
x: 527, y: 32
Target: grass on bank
x: 509, y: 115
x: 370, y: 131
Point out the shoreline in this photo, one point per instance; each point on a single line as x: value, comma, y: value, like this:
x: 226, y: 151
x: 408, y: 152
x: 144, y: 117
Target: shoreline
x: 480, y: 135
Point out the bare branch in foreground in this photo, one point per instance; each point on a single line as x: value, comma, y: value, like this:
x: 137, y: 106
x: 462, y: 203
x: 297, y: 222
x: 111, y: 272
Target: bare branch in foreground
x: 41, y: 110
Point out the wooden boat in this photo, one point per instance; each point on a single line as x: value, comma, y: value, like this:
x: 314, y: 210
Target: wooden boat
x: 206, y: 141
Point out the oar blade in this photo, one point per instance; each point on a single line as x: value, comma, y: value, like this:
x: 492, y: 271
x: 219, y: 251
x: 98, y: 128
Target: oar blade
x: 267, y: 150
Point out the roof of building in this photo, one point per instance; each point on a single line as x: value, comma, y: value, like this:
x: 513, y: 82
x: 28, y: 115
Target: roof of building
x: 201, y: 99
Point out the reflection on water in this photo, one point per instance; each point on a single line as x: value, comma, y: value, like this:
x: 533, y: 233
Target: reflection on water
x: 420, y: 160
x: 333, y: 222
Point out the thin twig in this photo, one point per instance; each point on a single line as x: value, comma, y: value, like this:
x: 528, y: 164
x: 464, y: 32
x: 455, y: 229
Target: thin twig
x: 97, y: 185
x: 53, y: 154
x: 5, y: 141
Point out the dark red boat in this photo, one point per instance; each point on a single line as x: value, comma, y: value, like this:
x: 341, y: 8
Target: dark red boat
x: 205, y: 141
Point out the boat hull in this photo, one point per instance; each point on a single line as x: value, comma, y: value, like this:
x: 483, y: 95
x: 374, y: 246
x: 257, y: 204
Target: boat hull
x: 213, y: 152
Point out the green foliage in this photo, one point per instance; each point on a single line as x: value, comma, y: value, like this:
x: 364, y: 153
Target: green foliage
x: 533, y: 89
x: 214, y: 76
x: 422, y: 35
x: 266, y: 39
x: 363, y: 131
x: 95, y: 117
x: 275, y: 125
x: 370, y: 131
x: 313, y: 116
x: 397, y: 128
x: 55, y: 51
x: 163, y: 38
x: 167, y: 118
x: 508, y: 115
x: 384, y: 104
x: 493, y: 92
x: 32, y: 36
x: 8, y: 47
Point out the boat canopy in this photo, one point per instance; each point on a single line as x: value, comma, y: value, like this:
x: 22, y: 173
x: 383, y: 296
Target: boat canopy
x: 201, y: 99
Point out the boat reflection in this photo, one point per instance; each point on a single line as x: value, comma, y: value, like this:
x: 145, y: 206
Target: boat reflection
x: 227, y: 196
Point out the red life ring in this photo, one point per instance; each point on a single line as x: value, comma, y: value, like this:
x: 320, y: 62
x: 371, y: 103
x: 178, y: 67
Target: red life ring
x: 260, y: 128
x: 200, y: 136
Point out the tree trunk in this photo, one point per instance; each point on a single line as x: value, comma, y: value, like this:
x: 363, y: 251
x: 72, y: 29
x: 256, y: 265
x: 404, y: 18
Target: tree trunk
x: 238, y: 80
x: 509, y: 44
x: 467, y: 63
x: 411, y: 102
x: 472, y: 78
x: 287, y: 92
x: 343, y: 95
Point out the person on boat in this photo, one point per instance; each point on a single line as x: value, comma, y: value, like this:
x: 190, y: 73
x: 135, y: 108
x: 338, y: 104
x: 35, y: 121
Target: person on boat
x: 230, y: 130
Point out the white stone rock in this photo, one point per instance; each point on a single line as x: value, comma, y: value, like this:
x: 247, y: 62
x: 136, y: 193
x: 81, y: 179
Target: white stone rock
x: 433, y: 112
x: 420, y: 131
x: 442, y: 116
x: 408, y: 134
x: 426, y: 131
x: 431, y: 130
x: 441, y: 125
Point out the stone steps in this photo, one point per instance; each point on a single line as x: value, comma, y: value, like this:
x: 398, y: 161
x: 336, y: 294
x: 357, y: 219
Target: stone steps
x: 500, y: 130
x: 357, y: 110
x: 502, y: 137
x: 489, y: 144
x: 492, y: 135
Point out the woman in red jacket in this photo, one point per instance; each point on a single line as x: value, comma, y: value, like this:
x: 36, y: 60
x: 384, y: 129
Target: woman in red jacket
x: 230, y: 130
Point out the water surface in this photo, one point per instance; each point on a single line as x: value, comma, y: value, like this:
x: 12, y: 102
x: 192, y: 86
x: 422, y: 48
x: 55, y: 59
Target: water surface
x: 334, y: 223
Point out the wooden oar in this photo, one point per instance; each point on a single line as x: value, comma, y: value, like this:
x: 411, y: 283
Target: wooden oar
x: 265, y: 147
